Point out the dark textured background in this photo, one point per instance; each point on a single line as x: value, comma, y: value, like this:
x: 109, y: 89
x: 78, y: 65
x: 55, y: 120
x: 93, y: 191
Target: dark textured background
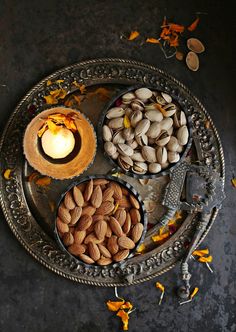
x: 38, y: 37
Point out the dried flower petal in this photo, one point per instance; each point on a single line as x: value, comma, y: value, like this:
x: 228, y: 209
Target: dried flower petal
x: 7, y: 174
x: 207, y: 259
x: 125, y: 319
x: 178, y: 215
x: 126, y: 122
x: 162, y: 289
x: 233, y: 181
x: 44, y: 181
x: 133, y: 35
x: 114, y: 305
x: 77, y: 99
x: 141, y: 248
x: 159, y: 238
x: 50, y: 100
x: 201, y: 253
x: 152, y: 41
x: 32, y: 176
x: 127, y: 305
x: 165, y: 114
x: 196, y: 289
x: 49, y: 82
x: 59, y: 81
x: 115, y: 208
x: 193, y: 26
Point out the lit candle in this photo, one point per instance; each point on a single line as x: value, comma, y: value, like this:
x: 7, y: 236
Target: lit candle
x: 58, y: 145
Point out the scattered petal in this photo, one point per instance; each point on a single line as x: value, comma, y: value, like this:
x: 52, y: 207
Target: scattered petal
x: 7, y: 174
x: 159, y: 238
x: 141, y: 248
x: 59, y: 81
x: 115, y: 208
x: 193, y: 26
x: 196, y: 289
x: 50, y: 100
x: 49, y: 82
x: 152, y: 41
x: 201, y: 253
x: 33, y: 176
x: 162, y: 289
x: 207, y: 259
x: 125, y: 319
x: 178, y: 215
x: 126, y: 121
x: 133, y: 35
x: 207, y: 124
x: 77, y: 99
x: 44, y: 181
x: 114, y: 305
x: 233, y: 181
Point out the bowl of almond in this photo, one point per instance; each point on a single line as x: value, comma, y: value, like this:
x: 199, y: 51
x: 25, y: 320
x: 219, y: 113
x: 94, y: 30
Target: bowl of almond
x: 100, y: 220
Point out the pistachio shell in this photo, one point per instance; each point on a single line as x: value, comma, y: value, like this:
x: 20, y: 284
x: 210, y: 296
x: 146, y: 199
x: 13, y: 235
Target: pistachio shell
x: 118, y: 138
x: 135, y: 118
x: 150, y: 107
x: 195, y: 45
x: 173, y: 144
x: 110, y: 148
x: 173, y: 157
x: 161, y: 154
x: 125, y: 162
x: 154, y: 168
x: 166, y: 123
x: 142, y: 140
x: 170, y: 131
x: 140, y: 167
x: 165, y: 165
x: 160, y: 100
x: 154, y: 130
x: 162, y: 139
x: 132, y: 143
x: 115, y: 112
x: 192, y: 61
x: 182, y: 135
x: 149, y: 154
x: 125, y: 149
x: 137, y: 105
x: 143, y: 93
x: 128, y: 97
x: 170, y: 109
x: 142, y: 127
x: 166, y: 97
x: 115, y: 155
x: 154, y: 115
x: 106, y: 133
x: 137, y: 157
x: 128, y: 133
x: 179, y: 119
x: 116, y: 123
x: 128, y: 112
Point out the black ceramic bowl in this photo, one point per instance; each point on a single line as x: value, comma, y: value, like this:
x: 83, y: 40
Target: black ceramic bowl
x: 122, y: 183
x: 114, y: 163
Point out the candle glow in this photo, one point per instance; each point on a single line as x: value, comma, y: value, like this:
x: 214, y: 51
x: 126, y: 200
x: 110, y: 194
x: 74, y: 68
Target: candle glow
x: 58, y: 145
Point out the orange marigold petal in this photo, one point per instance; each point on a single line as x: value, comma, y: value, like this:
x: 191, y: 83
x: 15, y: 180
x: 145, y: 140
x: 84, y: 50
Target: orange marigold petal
x: 114, y: 305
x: 44, y: 181
x: 141, y: 248
x: 125, y: 319
x: 49, y: 82
x: 200, y: 253
x: 7, y: 174
x: 159, y: 238
x: 52, y: 126
x: 205, y: 259
x: 42, y: 130
x: 196, y: 289
x: 127, y: 305
x: 193, y: 26
x: 126, y: 122
x: 233, y: 181
x: 51, y: 100
x: 133, y: 35
x: 160, y: 286
x: 152, y: 41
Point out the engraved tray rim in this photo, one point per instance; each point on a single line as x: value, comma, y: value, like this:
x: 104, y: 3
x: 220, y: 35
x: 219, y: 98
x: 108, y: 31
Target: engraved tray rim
x: 100, y: 62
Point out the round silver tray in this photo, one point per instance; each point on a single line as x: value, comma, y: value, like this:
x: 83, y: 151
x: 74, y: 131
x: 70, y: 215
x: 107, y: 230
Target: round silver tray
x: 28, y: 208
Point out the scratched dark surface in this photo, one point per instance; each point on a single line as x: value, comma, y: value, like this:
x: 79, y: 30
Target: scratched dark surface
x: 38, y: 37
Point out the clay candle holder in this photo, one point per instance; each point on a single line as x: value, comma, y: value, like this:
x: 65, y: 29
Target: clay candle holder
x: 62, y: 154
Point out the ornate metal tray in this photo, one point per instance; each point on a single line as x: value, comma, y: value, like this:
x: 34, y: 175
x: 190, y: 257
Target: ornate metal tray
x: 195, y: 186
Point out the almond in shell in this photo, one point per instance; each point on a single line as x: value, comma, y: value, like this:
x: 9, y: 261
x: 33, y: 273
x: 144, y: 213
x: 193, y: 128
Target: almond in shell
x: 64, y: 214
x: 76, y: 249
x: 86, y: 259
x: 93, y: 251
x: 112, y: 245
x: 136, y: 232
x: 125, y: 242
x: 84, y: 222
x: 78, y: 196
x: 88, y: 190
x: 105, y: 208
x: 100, y: 229
x: 121, y: 255
x: 104, y: 261
x: 104, y: 251
x: 75, y: 215
x: 115, y: 226
x: 61, y: 226
x: 135, y: 216
x: 96, y: 198
x: 79, y: 236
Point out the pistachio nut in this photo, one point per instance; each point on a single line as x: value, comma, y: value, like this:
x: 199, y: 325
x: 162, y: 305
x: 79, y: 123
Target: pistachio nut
x: 154, y: 115
x: 128, y: 112
x: 115, y: 112
x: 110, y: 148
x: 140, y: 167
x: 142, y: 140
x: 137, y: 105
x: 106, y: 133
x: 118, y: 138
x: 149, y: 154
x: 161, y: 154
x: 163, y: 138
x: 142, y: 127
x: 125, y: 162
x: 143, y: 93
x: 125, y: 149
x: 179, y: 119
x: 182, y: 135
x: 154, y: 168
x: 116, y: 123
x: 170, y: 109
x: 173, y: 144
x: 166, y: 123
x: 154, y: 130
x: 135, y: 117
x: 126, y: 98
x: 128, y: 133
x: 137, y: 156
x: 166, y: 97
x: 173, y: 157
x: 132, y: 143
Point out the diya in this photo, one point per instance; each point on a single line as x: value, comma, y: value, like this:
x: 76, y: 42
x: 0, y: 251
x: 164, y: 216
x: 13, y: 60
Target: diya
x: 60, y: 142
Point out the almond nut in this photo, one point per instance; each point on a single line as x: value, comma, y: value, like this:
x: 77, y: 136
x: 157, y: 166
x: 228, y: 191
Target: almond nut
x: 135, y: 216
x: 86, y: 259
x: 105, y: 208
x: 107, y: 194
x: 69, y: 201
x: 115, y: 226
x: 125, y: 243
x: 109, y: 231
x: 93, y: 250
x: 81, y: 186
x: 112, y: 245
x: 84, y: 222
x: 104, y: 251
x: 75, y: 215
x: 61, y: 226
x: 92, y: 238
x: 100, y: 182
x: 79, y: 236
x: 96, y: 198
x: 78, y: 196
x: 100, y: 229
x: 97, y: 217
x: 124, y: 202
x: 117, y: 190
x: 125, y: 191
x: 120, y: 216
x: 64, y: 214
x: 88, y: 190
x: 136, y: 232
x: 134, y: 202
x: 104, y: 261
x: 89, y: 210
x: 68, y: 239
x: 127, y: 224
x: 122, y: 254
x: 76, y: 249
